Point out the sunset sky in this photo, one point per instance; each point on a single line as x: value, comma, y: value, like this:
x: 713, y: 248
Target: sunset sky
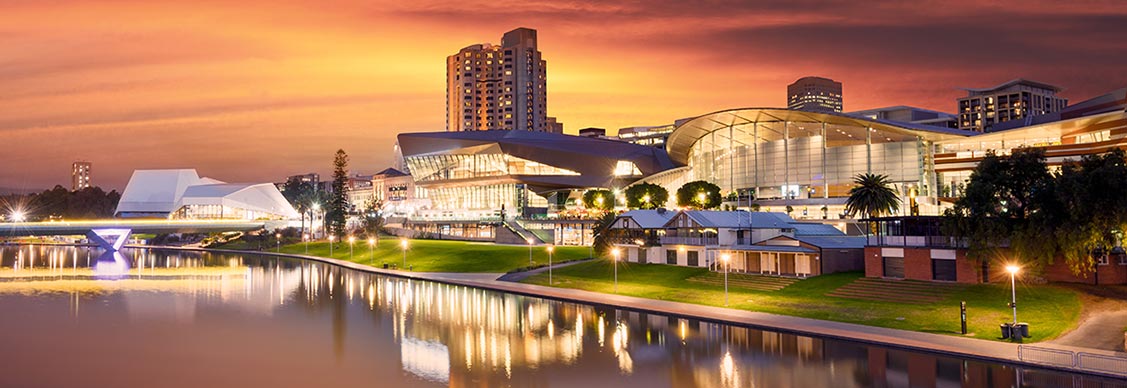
x: 257, y: 90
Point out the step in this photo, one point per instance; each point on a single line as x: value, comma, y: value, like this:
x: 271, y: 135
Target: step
x: 903, y: 298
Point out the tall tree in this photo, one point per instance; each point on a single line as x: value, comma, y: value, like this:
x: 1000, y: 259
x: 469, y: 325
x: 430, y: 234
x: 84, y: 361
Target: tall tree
x: 300, y: 195
x: 1089, y: 194
x: 871, y: 195
x: 646, y: 196
x: 338, y: 200
x: 699, y: 195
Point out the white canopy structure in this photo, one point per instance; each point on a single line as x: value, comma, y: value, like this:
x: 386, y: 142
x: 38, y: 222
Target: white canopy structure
x: 182, y: 194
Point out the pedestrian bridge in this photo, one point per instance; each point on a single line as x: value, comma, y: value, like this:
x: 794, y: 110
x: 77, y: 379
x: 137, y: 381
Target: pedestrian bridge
x: 111, y: 234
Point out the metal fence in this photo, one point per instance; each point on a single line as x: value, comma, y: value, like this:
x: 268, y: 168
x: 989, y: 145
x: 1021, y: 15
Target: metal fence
x: 1116, y: 365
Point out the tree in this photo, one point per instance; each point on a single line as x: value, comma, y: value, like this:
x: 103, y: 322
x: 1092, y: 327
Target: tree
x: 602, y: 233
x: 300, y: 195
x: 598, y: 199
x: 871, y: 195
x: 372, y: 218
x: 646, y: 196
x: 338, y: 199
x: 699, y: 195
x: 1006, y: 202
x: 1092, y: 210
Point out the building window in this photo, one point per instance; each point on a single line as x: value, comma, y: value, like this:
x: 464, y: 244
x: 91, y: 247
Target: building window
x: 671, y: 257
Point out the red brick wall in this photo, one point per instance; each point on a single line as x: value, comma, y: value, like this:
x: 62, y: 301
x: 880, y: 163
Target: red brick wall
x: 967, y: 271
x: 874, y: 266
x: 1113, y: 273
x: 917, y: 264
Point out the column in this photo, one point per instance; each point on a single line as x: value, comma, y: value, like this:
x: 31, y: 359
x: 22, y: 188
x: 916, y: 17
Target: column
x: 825, y: 175
x: 869, y: 149
x: 786, y: 162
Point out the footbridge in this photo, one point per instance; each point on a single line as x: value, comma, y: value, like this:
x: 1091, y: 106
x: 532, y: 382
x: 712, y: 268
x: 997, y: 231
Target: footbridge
x: 112, y: 234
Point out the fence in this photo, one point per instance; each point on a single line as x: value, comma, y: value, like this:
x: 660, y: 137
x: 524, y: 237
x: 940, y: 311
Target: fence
x: 1081, y: 360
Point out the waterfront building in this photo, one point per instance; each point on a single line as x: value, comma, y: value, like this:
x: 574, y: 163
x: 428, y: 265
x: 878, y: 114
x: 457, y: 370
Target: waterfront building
x: 499, y: 87
x: 1017, y: 99
x: 911, y: 115
x: 755, y: 242
x: 79, y: 176
x: 519, y: 179
x: 806, y: 161
x: 397, y: 193
x: 183, y: 194
x: 814, y: 94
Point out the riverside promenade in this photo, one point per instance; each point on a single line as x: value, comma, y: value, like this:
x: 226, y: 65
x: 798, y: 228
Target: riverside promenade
x: 943, y: 344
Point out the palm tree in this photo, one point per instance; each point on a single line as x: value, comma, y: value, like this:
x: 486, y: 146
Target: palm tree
x: 871, y: 196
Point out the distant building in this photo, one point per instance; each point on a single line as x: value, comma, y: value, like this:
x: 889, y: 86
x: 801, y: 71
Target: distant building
x: 183, y: 194
x: 397, y: 193
x: 911, y: 115
x: 814, y: 94
x: 553, y: 125
x: 654, y: 136
x: 1017, y: 99
x: 490, y: 87
x: 593, y: 132
x: 79, y: 176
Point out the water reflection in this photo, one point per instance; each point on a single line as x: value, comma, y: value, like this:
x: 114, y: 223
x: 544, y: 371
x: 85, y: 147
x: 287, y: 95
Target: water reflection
x: 295, y: 323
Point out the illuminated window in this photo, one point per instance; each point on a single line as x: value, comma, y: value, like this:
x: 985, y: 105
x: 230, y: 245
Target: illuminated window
x: 626, y: 168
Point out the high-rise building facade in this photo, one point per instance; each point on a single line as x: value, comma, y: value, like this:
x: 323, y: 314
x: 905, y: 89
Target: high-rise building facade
x: 79, y: 175
x: 814, y: 94
x: 1014, y: 100
x: 490, y: 87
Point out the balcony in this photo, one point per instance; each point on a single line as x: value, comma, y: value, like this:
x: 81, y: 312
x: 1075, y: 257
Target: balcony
x: 699, y: 241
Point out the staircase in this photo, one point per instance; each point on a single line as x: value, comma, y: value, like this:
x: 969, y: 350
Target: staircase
x: 745, y: 281
x: 511, y: 232
x: 898, y: 291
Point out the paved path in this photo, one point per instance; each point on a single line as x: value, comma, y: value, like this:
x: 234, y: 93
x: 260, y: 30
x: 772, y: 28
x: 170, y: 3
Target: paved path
x: 1101, y: 327
x: 927, y: 342
x: 518, y: 276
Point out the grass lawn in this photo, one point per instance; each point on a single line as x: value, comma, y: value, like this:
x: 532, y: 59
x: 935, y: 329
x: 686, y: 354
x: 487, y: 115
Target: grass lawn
x: 439, y: 255
x: 1049, y: 310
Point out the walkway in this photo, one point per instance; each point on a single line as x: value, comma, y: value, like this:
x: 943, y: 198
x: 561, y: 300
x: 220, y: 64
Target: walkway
x: 1102, y: 324
x: 927, y: 342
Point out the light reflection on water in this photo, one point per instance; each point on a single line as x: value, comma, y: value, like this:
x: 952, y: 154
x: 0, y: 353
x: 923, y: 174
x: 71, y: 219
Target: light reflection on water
x: 194, y: 318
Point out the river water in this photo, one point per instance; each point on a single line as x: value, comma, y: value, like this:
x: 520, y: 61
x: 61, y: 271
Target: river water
x: 75, y: 316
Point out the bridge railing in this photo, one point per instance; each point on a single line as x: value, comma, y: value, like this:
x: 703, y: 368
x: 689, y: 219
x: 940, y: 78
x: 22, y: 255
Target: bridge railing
x: 1102, y: 363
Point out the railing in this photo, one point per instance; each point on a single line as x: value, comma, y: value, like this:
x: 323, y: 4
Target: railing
x: 1115, y: 365
x: 676, y: 240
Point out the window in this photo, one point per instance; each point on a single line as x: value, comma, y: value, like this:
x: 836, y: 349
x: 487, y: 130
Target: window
x: 671, y: 257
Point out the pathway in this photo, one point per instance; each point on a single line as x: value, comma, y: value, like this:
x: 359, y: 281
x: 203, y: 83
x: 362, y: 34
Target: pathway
x: 1103, y: 321
x: 518, y: 276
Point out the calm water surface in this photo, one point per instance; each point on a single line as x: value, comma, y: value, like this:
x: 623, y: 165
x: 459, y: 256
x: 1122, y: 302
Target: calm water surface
x: 76, y: 317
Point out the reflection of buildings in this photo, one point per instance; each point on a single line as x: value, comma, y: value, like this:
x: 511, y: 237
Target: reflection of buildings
x: 183, y: 194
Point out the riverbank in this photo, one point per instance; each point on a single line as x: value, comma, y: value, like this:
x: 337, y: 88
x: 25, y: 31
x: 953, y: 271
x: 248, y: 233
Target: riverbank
x: 928, y: 342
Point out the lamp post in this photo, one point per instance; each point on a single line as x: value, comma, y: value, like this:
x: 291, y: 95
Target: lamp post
x: 403, y: 244
x: 278, y: 238
x: 724, y: 258
x: 351, y: 240
x: 372, y: 249
x: 614, y: 262
x: 1013, y: 270
x: 305, y: 237
x: 529, y: 241
x: 550, y: 248
x: 330, y: 245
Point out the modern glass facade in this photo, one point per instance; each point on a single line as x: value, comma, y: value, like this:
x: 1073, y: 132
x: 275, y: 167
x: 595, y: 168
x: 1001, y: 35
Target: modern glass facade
x: 465, y: 166
x: 805, y: 159
x: 482, y: 201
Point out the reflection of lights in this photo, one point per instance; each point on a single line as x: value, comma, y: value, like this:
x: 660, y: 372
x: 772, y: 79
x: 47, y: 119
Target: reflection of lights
x: 426, y: 359
x: 619, y: 342
x: 601, y: 331
x: 551, y: 330
x: 729, y: 376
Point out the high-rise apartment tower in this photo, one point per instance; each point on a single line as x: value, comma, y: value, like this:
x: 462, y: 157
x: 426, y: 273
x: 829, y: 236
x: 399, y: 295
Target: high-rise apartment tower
x: 814, y: 94
x: 491, y: 87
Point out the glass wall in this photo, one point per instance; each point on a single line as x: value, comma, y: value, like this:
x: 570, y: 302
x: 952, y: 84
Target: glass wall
x: 445, y: 167
x: 484, y: 201
x: 799, y: 160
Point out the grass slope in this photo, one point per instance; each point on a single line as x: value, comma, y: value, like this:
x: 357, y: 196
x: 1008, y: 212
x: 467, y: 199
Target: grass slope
x: 1049, y: 310
x: 440, y: 256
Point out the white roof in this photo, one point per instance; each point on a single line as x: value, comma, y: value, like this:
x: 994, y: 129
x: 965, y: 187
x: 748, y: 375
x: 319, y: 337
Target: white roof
x: 165, y: 191
x: 739, y: 219
x: 650, y: 219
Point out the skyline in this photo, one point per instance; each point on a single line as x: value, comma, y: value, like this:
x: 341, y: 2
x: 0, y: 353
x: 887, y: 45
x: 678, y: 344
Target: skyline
x: 133, y: 85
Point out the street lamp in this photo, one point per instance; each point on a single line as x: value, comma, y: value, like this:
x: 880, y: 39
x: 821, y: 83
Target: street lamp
x: 646, y: 199
x: 351, y: 240
x: 724, y: 258
x: 403, y: 244
x: 529, y: 241
x: 331, y: 245
x: 700, y: 198
x: 1013, y: 270
x: 614, y: 253
x: 18, y: 216
x: 278, y: 238
x: 372, y: 249
x: 550, y: 249
x: 305, y: 237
